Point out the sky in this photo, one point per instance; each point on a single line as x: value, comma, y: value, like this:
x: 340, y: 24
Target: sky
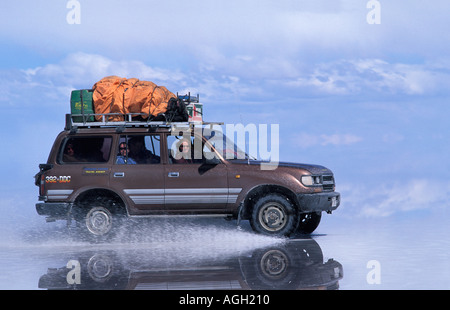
x: 358, y: 86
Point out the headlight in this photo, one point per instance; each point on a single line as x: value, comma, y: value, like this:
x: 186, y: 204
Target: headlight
x: 307, y: 180
x: 310, y: 180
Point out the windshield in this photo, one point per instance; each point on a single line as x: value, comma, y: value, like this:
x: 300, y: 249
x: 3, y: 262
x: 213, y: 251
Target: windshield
x: 225, y: 146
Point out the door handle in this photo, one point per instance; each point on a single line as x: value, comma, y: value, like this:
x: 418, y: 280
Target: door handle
x: 174, y: 174
x: 119, y: 174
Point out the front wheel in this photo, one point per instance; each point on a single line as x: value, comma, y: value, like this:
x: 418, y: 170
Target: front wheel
x: 274, y: 215
x: 309, y: 222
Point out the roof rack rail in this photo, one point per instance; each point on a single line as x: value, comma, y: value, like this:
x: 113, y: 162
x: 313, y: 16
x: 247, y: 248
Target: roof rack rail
x: 109, y: 120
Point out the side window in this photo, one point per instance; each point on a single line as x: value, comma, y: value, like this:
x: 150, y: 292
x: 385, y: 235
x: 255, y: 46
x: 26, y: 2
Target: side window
x: 139, y: 149
x: 85, y: 150
x: 183, y: 150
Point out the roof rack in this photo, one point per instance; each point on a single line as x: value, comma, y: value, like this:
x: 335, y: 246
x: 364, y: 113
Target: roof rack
x: 129, y: 120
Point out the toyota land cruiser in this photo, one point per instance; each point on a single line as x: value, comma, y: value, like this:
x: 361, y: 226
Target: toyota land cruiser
x: 102, y: 172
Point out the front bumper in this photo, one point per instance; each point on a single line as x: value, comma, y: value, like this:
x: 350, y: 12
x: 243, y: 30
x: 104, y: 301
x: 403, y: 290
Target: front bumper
x: 54, y: 209
x: 327, y: 201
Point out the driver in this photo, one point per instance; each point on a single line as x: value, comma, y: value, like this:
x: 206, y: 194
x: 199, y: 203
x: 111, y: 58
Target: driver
x: 139, y: 152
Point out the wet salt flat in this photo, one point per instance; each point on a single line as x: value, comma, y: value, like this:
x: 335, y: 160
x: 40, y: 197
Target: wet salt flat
x: 216, y: 254
x: 410, y: 253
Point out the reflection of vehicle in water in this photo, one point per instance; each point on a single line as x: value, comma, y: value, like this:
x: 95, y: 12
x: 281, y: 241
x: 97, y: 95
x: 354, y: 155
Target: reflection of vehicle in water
x: 293, y: 265
x: 296, y: 264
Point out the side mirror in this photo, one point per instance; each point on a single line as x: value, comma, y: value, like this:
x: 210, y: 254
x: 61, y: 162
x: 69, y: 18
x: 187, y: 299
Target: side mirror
x: 208, y: 164
x: 213, y: 161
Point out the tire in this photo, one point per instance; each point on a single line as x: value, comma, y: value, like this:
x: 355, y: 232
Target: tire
x: 286, y: 266
x: 270, y: 269
x: 98, y: 219
x: 309, y: 222
x: 274, y: 215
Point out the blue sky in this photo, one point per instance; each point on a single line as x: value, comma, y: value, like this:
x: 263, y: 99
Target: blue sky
x: 369, y: 101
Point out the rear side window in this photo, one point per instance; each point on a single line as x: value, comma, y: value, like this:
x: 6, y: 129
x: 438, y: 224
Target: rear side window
x: 85, y: 150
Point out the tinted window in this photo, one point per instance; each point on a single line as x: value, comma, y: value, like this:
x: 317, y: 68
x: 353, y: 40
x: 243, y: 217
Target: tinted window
x: 139, y: 149
x: 85, y: 150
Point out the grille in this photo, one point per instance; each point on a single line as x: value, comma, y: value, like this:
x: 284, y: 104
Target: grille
x: 328, y: 182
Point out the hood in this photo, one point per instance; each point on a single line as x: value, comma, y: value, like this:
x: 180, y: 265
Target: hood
x: 314, y: 169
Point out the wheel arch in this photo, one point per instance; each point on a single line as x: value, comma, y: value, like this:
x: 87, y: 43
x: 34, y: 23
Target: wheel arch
x: 262, y: 190
x: 88, y: 197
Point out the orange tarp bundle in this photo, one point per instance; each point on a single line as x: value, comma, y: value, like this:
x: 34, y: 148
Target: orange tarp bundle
x: 113, y: 94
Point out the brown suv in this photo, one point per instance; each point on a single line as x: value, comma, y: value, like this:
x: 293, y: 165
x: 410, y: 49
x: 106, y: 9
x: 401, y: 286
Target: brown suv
x: 101, y: 173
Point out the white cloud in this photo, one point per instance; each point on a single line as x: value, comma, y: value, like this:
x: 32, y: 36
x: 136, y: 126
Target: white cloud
x: 366, y: 77
x: 81, y: 70
x: 173, y: 23
x: 356, y: 76
x: 76, y: 71
x: 78, y: 68
x: 220, y: 78
x: 390, y: 197
x: 301, y: 29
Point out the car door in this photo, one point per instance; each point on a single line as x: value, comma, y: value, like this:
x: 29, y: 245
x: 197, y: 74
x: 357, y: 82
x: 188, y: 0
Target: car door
x: 191, y: 186
x: 138, y: 173
x: 82, y: 161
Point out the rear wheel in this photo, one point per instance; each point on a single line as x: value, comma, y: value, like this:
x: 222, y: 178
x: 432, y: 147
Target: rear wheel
x: 99, y: 217
x: 99, y: 221
x: 274, y: 215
